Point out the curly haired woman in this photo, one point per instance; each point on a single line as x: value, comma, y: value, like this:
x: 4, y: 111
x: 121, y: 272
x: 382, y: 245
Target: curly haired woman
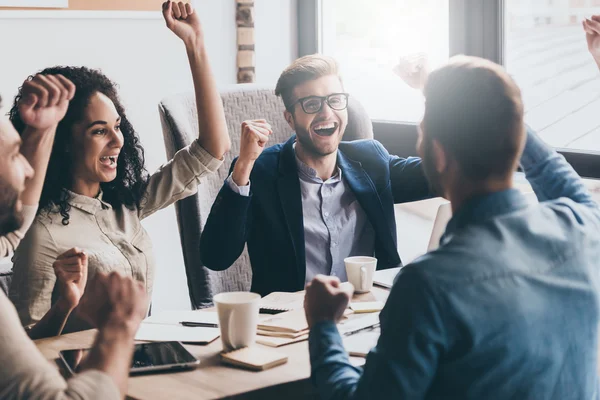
x: 97, y: 191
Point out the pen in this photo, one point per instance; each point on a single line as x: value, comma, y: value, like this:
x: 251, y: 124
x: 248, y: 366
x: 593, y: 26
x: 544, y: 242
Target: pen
x: 197, y: 324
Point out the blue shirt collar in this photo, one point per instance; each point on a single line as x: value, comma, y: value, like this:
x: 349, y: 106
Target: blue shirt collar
x: 483, y: 207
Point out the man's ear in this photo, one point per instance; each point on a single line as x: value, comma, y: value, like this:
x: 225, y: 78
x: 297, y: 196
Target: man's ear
x: 290, y: 119
x: 440, y: 157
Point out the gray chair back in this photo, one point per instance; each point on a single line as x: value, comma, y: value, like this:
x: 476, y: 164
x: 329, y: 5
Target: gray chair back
x: 180, y: 127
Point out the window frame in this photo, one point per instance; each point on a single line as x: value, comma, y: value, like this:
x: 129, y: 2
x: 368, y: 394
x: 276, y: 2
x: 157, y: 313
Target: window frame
x: 476, y: 28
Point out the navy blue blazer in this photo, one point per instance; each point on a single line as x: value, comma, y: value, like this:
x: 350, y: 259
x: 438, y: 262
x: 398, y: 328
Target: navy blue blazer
x: 270, y: 219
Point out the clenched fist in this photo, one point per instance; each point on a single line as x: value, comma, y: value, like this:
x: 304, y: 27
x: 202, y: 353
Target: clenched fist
x: 255, y: 135
x: 326, y: 299
x: 114, y: 302
x: 71, y: 270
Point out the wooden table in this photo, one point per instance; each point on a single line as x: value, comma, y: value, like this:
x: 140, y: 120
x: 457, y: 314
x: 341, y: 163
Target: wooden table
x: 213, y: 380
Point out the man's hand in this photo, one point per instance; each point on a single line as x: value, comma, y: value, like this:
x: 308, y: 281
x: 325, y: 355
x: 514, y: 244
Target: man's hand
x: 592, y: 35
x: 71, y: 269
x: 254, y: 138
x: 414, y: 70
x: 44, y: 100
x: 325, y: 300
x: 182, y: 19
x: 114, y: 302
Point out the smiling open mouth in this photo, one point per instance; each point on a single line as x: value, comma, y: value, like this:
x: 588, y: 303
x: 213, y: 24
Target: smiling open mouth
x: 109, y: 161
x: 325, y: 129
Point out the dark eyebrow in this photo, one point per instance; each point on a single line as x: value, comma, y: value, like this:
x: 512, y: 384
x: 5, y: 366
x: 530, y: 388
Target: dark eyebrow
x: 101, y: 123
x: 96, y: 123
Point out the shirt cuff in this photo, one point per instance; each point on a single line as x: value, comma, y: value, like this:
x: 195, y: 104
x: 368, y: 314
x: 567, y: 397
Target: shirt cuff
x: 535, y: 151
x: 212, y: 164
x: 241, y: 190
x: 322, y: 339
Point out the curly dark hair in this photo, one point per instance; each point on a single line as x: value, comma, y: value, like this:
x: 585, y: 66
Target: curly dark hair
x: 128, y: 187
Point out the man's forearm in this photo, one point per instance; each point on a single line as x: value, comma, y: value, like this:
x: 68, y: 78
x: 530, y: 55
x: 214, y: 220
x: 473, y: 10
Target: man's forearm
x: 332, y: 373
x: 241, y: 172
x: 549, y: 174
x: 213, y: 136
x: 112, y: 353
x: 36, y: 148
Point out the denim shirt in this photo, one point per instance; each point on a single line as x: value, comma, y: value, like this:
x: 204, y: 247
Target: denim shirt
x: 507, y: 307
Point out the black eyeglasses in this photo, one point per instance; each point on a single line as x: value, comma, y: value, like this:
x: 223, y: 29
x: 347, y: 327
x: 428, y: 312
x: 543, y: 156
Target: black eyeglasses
x: 314, y: 104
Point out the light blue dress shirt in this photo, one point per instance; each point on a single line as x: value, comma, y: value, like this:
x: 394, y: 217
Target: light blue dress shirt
x: 506, y: 308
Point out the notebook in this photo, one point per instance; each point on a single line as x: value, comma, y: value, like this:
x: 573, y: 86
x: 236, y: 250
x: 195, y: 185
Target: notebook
x: 254, y: 358
x: 281, y: 334
x: 278, y: 302
x: 360, y: 344
x: 385, y: 277
x: 280, y: 341
x: 289, y: 321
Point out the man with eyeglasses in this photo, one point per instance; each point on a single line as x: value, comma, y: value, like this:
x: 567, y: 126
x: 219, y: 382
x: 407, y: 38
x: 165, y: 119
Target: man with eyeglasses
x: 305, y: 205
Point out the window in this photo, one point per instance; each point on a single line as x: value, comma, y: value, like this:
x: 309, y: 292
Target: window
x: 559, y: 80
x: 368, y: 39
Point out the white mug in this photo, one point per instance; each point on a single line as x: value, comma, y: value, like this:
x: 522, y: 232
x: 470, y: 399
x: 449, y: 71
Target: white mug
x: 238, y: 318
x: 360, y: 272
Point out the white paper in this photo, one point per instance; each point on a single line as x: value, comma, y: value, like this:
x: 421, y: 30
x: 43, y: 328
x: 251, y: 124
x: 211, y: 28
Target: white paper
x: 385, y: 277
x: 175, y: 317
x: 165, y: 333
x: 357, y: 322
x: 360, y: 344
x: 35, y: 3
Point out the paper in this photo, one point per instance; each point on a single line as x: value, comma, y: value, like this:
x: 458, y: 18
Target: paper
x: 281, y: 334
x: 283, y: 301
x: 385, y: 277
x: 280, y: 341
x: 358, y: 322
x: 175, y: 317
x: 290, y: 321
x: 366, y: 306
x: 152, y: 332
x: 360, y: 344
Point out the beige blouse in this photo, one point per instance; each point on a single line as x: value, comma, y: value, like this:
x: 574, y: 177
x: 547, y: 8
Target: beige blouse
x: 113, y: 238
x: 26, y: 374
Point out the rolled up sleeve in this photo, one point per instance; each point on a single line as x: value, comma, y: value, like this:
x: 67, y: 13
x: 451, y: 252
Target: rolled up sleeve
x: 178, y: 178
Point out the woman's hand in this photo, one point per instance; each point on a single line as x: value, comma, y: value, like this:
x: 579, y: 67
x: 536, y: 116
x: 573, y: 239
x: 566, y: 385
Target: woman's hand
x: 182, y: 19
x: 71, y: 269
x: 44, y: 100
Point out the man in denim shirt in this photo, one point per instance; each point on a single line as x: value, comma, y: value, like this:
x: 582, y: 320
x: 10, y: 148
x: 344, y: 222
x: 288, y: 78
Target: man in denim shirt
x: 507, y: 307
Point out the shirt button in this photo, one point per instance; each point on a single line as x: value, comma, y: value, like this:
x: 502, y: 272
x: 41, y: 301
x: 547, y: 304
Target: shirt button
x: 326, y: 214
x: 333, y: 274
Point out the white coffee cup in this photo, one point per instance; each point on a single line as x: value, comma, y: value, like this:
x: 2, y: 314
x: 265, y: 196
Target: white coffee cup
x: 238, y: 318
x: 360, y: 272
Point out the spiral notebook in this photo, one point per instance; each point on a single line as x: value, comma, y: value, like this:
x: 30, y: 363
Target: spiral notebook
x: 278, y: 302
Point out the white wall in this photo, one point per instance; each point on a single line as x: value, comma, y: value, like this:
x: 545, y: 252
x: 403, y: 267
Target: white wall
x: 149, y: 63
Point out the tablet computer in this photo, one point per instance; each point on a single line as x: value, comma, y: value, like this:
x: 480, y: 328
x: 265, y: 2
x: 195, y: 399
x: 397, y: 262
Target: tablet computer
x: 147, y: 358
